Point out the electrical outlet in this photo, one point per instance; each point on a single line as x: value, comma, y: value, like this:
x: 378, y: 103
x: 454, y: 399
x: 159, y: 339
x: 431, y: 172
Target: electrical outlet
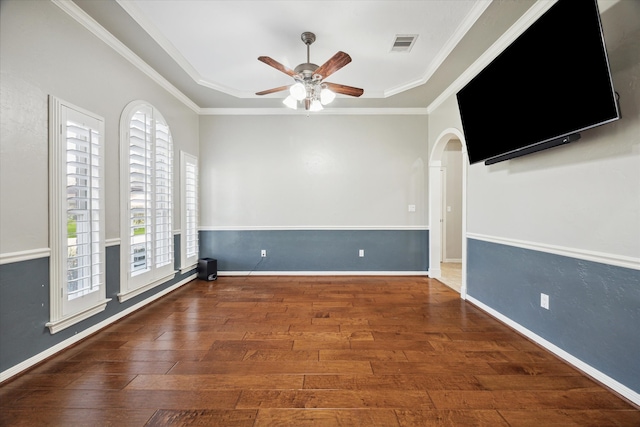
x: 412, y: 208
x: 361, y: 253
x: 263, y: 253
x: 544, y: 301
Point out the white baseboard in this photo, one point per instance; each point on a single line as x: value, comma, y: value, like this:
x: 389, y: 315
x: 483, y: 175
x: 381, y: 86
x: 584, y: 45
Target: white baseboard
x: 20, y: 367
x: 435, y: 273
x: 567, y: 357
x: 322, y: 273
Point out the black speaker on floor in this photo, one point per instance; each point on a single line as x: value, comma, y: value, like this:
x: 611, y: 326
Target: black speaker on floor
x: 207, y: 269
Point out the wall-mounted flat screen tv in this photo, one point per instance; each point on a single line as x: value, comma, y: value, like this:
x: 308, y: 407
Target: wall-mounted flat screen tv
x: 550, y: 84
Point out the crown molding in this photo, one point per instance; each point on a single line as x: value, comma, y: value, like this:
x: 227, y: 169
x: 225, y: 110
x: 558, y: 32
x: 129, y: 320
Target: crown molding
x: 74, y: 11
x: 325, y: 112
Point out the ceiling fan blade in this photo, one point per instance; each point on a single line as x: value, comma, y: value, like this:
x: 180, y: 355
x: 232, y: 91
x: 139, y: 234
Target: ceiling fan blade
x: 274, y: 90
x: 345, y: 90
x: 278, y: 66
x: 336, y: 62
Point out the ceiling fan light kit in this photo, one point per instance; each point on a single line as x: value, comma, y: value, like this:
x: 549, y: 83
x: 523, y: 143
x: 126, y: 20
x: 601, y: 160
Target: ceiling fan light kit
x: 309, y: 87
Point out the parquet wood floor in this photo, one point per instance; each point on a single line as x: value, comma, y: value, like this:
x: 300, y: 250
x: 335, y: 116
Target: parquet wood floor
x: 309, y: 351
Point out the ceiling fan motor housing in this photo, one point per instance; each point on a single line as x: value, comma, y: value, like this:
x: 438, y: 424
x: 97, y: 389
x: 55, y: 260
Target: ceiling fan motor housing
x: 306, y: 70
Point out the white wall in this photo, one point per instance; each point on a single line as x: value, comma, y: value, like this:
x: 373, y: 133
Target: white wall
x: 452, y: 210
x: 322, y: 170
x: 46, y: 52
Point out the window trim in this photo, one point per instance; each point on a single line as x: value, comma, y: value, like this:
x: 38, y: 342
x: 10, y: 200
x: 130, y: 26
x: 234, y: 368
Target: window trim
x: 157, y: 276
x: 188, y: 263
x: 59, y: 318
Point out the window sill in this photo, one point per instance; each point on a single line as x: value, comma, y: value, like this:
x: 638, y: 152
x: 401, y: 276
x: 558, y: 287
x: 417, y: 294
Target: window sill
x: 188, y: 268
x: 124, y: 296
x: 59, y: 325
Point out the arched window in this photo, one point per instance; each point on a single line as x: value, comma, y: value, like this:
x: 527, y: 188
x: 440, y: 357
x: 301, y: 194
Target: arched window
x: 146, y: 177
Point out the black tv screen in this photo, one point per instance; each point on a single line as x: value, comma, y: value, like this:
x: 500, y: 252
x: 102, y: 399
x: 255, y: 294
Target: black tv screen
x: 552, y: 82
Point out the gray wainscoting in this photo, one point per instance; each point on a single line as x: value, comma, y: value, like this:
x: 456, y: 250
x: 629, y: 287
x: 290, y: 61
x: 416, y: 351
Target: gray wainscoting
x: 317, y: 250
x: 24, y: 306
x: 594, y: 308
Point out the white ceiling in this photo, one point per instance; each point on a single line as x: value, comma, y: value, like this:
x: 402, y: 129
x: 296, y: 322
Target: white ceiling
x: 205, y: 51
x: 217, y: 42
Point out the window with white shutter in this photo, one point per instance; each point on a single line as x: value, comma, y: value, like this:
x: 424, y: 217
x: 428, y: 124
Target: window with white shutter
x: 76, y: 205
x: 189, y: 207
x: 146, y: 153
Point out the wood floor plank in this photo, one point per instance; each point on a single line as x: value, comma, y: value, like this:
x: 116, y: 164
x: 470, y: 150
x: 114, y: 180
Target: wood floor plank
x: 203, y: 417
x: 480, y: 418
x: 442, y: 367
x: 393, y: 382
x: 332, y: 417
x: 137, y: 354
x: 73, y: 417
x: 537, y: 382
x: 100, y: 381
x: 463, y: 356
x: 327, y: 399
x: 378, y: 355
x: 216, y: 382
x: 40, y: 381
x: 167, y: 345
x: 392, y: 345
x: 281, y: 355
x: 249, y: 344
x: 572, y: 418
x: 535, y: 368
x: 308, y: 344
x: 269, y: 367
x: 109, y: 367
x: 128, y: 399
x: 526, y: 400
x: 309, y: 351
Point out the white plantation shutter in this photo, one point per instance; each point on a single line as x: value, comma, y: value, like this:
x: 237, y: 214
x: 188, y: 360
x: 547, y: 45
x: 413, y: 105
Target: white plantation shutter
x: 147, y: 231
x: 77, y: 215
x: 140, y: 178
x: 189, y: 205
x: 84, y: 254
x: 164, y: 199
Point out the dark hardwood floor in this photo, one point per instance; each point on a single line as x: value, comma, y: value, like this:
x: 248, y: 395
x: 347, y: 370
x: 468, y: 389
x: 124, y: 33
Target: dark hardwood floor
x: 301, y: 351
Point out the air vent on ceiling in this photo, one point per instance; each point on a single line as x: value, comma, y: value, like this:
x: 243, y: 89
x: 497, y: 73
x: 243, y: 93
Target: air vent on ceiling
x: 403, y: 42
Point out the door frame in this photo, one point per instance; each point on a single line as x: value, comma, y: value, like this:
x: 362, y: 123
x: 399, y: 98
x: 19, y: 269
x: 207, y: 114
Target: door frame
x: 436, y: 203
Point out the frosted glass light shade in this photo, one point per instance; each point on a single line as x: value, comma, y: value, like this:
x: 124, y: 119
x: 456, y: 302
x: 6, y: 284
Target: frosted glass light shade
x: 291, y: 102
x: 327, y: 96
x: 298, y: 91
x: 315, y: 106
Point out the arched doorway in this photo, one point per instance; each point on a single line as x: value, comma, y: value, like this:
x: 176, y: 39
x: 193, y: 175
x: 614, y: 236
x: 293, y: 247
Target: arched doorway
x: 436, y: 205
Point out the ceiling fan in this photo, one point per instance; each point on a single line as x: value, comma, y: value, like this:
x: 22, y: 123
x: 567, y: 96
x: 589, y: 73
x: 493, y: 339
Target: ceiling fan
x: 310, y: 86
